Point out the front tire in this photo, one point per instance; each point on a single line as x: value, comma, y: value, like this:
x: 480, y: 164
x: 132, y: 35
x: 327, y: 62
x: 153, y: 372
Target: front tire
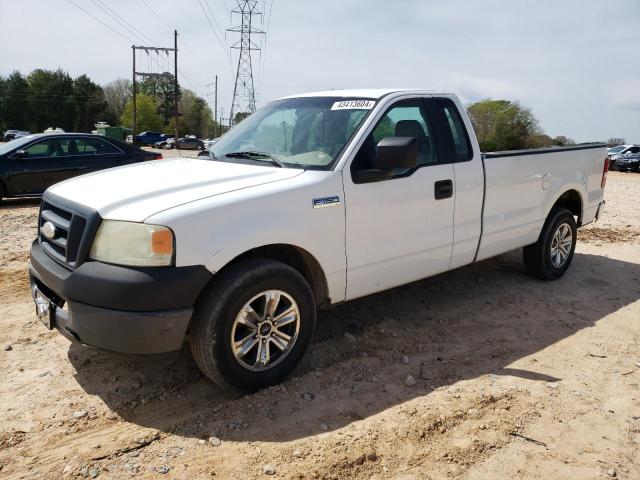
x: 551, y: 255
x: 252, y: 324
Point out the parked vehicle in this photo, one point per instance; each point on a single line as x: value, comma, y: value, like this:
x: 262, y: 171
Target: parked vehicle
x: 629, y: 162
x: 29, y: 165
x: 13, y: 134
x: 615, y: 153
x: 21, y: 133
x: 148, y: 138
x: 311, y: 201
x: 186, y: 143
x: 617, y: 149
x: 208, y: 143
x: 9, y: 135
x: 163, y: 143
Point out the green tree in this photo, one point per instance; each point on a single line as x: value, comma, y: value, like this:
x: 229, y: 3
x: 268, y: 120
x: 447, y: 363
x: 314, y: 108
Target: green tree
x: 504, y: 125
x: 116, y: 93
x: 239, y: 116
x: 146, y: 116
x: 13, y: 96
x: 50, y: 100
x: 161, y: 88
x: 89, y: 102
x: 615, y: 141
x: 563, y: 141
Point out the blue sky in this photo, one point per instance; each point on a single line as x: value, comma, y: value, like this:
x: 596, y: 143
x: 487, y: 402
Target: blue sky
x: 576, y: 64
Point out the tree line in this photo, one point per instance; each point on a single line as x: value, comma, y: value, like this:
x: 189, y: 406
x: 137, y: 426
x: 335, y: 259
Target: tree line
x: 52, y: 98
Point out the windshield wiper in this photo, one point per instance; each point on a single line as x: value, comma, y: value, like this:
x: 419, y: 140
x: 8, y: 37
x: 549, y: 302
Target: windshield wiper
x: 257, y: 156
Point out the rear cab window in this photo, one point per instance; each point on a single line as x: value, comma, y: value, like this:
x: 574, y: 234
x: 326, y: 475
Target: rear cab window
x: 453, y: 138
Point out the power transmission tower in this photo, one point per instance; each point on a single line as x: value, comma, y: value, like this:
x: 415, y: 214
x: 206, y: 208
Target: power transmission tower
x: 244, y: 95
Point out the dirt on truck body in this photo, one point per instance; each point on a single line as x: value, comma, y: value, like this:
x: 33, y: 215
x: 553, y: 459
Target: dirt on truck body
x: 482, y: 372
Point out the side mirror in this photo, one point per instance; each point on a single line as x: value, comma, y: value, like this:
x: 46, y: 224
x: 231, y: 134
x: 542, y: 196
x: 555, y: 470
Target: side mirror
x: 396, y: 152
x: 391, y: 152
x: 19, y: 154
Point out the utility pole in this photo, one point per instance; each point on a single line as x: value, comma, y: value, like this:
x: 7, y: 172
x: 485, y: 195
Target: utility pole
x: 175, y: 83
x: 244, y: 95
x: 156, y: 50
x: 133, y: 126
x: 215, y: 111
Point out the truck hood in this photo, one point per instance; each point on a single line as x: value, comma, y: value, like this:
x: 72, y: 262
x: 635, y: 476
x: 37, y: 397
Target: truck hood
x: 135, y: 192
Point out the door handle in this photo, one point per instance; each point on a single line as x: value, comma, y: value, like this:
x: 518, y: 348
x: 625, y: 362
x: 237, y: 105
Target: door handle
x: 443, y: 189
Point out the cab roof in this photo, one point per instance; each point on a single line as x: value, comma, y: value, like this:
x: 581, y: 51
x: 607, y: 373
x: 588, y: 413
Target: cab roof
x: 376, y: 93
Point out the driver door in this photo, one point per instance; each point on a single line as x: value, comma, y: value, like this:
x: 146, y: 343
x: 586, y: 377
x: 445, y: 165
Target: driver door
x: 399, y: 229
x: 41, y: 165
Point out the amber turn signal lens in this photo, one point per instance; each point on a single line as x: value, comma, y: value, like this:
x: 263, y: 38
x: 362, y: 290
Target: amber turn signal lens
x: 162, y: 242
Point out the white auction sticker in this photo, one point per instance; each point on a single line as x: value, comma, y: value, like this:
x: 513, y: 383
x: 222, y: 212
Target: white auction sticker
x: 353, y: 105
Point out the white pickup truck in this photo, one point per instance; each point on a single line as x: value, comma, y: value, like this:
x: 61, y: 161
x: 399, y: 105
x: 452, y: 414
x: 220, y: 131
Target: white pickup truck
x: 312, y: 201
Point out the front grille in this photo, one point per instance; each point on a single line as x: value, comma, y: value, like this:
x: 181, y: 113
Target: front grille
x: 74, y: 229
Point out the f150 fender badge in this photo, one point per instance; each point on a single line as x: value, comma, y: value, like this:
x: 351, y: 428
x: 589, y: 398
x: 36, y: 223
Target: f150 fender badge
x: 326, y: 202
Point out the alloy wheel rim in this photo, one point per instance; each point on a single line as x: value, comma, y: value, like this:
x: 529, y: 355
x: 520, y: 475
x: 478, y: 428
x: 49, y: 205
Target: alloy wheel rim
x: 561, y: 245
x: 265, y: 330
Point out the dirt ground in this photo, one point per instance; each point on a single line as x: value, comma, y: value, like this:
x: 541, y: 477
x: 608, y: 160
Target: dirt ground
x: 514, y: 378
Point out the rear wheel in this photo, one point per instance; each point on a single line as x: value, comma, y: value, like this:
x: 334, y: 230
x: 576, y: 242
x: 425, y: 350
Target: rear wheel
x: 252, y: 325
x: 551, y: 255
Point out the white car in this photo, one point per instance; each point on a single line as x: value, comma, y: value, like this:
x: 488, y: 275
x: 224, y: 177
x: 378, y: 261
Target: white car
x: 618, y: 151
x: 312, y: 201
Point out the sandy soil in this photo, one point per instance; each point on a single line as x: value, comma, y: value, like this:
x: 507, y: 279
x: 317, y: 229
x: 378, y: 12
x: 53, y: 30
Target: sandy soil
x: 514, y: 378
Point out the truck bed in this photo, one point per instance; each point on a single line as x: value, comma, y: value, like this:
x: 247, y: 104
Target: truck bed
x: 521, y: 186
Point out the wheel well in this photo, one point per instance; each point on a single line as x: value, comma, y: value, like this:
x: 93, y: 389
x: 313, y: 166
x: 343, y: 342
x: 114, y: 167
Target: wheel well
x: 299, y: 259
x: 572, y: 201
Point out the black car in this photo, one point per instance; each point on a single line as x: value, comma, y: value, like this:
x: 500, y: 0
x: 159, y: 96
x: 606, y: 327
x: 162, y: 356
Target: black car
x: 629, y: 162
x: 29, y: 165
x: 185, y: 143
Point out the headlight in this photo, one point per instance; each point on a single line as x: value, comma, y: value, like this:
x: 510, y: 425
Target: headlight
x: 135, y: 244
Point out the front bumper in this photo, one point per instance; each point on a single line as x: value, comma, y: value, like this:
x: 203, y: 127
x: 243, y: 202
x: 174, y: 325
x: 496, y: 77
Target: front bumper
x: 121, y: 310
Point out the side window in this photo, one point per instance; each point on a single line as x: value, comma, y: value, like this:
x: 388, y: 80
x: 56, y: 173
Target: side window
x: 407, y: 119
x: 91, y: 146
x: 460, y: 140
x: 450, y: 130
x: 51, y: 147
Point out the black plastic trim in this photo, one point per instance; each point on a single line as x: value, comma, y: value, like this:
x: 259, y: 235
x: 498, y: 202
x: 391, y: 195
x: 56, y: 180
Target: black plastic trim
x: 139, y: 289
x: 540, y: 151
x: 81, y: 246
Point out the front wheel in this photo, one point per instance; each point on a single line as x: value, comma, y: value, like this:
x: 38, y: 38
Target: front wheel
x: 551, y: 255
x: 252, y: 325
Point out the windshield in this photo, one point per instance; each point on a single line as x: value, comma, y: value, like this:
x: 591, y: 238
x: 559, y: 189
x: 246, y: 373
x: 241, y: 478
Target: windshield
x: 304, y: 132
x: 616, y: 149
x: 16, y: 143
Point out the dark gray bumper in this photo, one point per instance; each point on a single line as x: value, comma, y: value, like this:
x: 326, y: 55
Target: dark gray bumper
x: 119, y: 310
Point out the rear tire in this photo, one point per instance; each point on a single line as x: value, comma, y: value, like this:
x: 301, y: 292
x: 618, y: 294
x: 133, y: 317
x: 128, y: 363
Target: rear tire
x: 551, y: 255
x: 239, y: 330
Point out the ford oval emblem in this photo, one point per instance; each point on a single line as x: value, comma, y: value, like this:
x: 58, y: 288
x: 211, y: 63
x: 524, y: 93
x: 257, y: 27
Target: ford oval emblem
x: 48, y: 230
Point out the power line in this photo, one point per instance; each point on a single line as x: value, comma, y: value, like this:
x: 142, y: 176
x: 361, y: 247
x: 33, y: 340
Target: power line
x: 98, y: 20
x: 122, y: 24
x: 213, y: 29
x: 139, y: 34
x: 184, y: 42
x: 157, y: 15
x: 213, y: 17
x: 264, y: 46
